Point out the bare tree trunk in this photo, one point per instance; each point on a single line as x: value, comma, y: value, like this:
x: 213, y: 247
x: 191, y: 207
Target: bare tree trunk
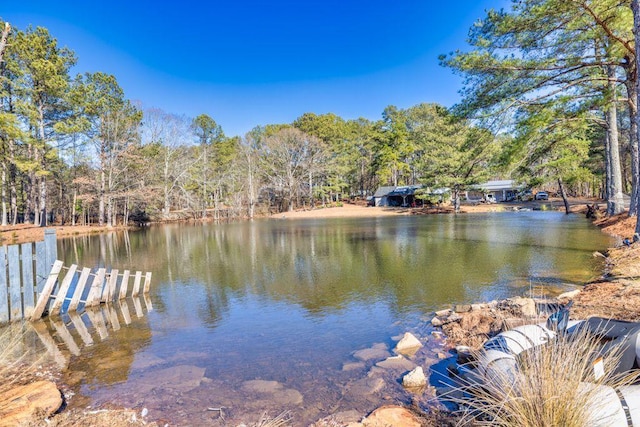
x: 43, y: 160
x: 615, y: 202
x: 3, y: 39
x: 73, y: 207
x: 101, y: 204
x: 563, y: 194
x: 4, y: 193
x: 635, y: 6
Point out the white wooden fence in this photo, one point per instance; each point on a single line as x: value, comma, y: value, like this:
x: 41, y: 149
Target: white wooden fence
x: 23, y: 273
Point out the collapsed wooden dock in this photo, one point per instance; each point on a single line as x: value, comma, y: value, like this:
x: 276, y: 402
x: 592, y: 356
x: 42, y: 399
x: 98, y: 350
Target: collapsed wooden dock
x: 82, y: 289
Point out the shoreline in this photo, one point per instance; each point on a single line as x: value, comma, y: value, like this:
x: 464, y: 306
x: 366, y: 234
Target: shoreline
x: 24, y: 233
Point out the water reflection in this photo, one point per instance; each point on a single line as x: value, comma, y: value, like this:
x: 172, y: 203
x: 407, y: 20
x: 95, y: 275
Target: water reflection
x: 290, y: 301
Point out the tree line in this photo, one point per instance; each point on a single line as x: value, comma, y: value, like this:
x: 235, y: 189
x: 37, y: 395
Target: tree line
x: 549, y: 99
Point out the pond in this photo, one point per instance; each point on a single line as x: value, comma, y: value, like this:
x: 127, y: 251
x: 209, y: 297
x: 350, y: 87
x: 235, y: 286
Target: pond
x: 267, y: 316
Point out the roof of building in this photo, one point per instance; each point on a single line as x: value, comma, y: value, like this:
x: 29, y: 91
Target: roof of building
x: 505, y: 184
x: 383, y: 191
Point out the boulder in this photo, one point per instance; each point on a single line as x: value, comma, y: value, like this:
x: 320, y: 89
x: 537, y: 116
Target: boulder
x: 462, y: 308
x: 408, y: 345
x: 392, y: 415
x: 415, y: 378
x: 20, y: 404
x: 436, y: 322
x: 443, y: 313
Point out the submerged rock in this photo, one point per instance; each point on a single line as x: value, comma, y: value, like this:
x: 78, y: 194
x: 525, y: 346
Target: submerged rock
x: 415, y: 378
x: 367, y: 386
x: 378, y: 351
x: 396, y: 362
x: 408, y: 345
x: 180, y: 378
x: 276, y: 391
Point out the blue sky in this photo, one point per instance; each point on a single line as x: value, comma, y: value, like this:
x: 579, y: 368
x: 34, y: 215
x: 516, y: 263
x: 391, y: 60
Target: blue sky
x: 248, y: 63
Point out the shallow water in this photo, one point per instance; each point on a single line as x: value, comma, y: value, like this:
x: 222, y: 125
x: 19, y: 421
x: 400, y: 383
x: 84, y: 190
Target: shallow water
x: 288, y: 303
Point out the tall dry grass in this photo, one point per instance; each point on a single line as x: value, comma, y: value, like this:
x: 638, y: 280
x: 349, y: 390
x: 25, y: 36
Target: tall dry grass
x: 555, y: 386
x: 17, y: 362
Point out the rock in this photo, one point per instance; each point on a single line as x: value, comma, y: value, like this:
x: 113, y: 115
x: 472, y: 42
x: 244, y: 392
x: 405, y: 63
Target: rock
x: 391, y: 415
x: 437, y: 335
x: 478, y: 307
x: 408, y: 345
x: 350, y: 366
x: 464, y: 353
x: 375, y: 352
x: 19, y: 404
x: 454, y: 317
x: 443, y: 313
x: 275, y: 390
x: 436, y: 322
x: 597, y: 254
x: 462, y: 308
x: 527, y: 306
x: 569, y: 295
x: 181, y: 378
x: 415, y: 378
x: 396, y: 362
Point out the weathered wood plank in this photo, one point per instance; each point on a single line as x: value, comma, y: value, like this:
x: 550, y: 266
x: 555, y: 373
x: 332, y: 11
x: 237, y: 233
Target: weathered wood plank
x: 51, y: 246
x: 65, y: 335
x: 136, y: 284
x: 80, y: 327
x: 28, y: 295
x: 63, y: 289
x: 96, y: 288
x: 42, y: 271
x: 147, y: 282
x: 113, y: 283
x: 124, y: 284
x: 4, y: 288
x: 43, y: 299
x: 77, y: 294
x: 15, y: 291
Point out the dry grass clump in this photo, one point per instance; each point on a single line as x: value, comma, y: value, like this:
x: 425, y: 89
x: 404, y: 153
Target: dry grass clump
x: 17, y: 366
x: 555, y: 386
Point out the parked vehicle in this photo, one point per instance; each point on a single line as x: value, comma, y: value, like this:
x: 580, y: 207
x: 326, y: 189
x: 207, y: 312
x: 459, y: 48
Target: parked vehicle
x: 525, y: 196
x: 542, y: 195
x: 489, y: 198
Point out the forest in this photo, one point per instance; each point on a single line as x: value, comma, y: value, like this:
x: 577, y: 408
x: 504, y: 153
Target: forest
x: 549, y: 98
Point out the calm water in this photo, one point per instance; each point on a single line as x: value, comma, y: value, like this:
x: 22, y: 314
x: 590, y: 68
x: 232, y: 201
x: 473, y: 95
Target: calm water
x: 291, y: 301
